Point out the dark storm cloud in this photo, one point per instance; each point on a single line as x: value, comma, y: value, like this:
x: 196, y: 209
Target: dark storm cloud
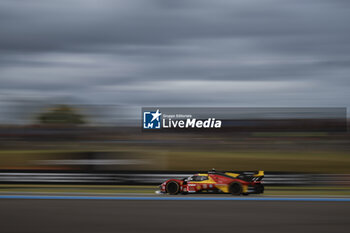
x: 41, y: 25
x: 165, y: 52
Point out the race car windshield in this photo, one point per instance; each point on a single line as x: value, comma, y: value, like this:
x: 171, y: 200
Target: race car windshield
x: 197, y: 178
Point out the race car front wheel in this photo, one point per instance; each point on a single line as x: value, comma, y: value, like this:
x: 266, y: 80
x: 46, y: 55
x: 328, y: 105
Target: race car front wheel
x: 235, y: 188
x: 172, y: 188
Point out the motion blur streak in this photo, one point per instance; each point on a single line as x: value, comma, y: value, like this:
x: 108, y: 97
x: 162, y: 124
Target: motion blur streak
x: 76, y: 74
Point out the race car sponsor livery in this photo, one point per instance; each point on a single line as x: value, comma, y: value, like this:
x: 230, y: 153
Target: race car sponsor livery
x: 216, y: 182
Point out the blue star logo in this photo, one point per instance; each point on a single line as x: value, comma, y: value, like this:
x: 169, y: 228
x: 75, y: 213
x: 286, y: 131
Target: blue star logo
x: 151, y: 120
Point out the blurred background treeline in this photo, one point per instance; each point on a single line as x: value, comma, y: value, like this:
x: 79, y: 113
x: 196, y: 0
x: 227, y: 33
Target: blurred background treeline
x: 96, y: 139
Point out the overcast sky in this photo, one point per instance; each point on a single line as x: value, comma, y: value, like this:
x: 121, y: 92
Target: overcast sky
x: 176, y: 52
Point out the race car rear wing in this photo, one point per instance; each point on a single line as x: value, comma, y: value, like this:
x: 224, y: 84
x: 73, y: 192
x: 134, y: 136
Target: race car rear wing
x: 260, y: 173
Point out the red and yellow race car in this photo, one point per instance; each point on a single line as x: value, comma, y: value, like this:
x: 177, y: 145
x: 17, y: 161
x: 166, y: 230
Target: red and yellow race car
x: 216, y: 182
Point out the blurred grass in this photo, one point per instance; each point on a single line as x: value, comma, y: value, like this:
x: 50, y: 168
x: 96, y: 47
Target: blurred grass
x: 289, y: 134
x: 318, y: 162
x: 172, y: 158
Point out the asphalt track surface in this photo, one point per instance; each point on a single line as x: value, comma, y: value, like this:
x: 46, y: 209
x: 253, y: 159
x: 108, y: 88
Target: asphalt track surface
x: 36, y: 215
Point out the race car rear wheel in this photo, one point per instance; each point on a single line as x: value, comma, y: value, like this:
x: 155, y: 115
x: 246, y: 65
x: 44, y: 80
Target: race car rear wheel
x: 235, y: 188
x: 259, y: 188
x: 172, y: 188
